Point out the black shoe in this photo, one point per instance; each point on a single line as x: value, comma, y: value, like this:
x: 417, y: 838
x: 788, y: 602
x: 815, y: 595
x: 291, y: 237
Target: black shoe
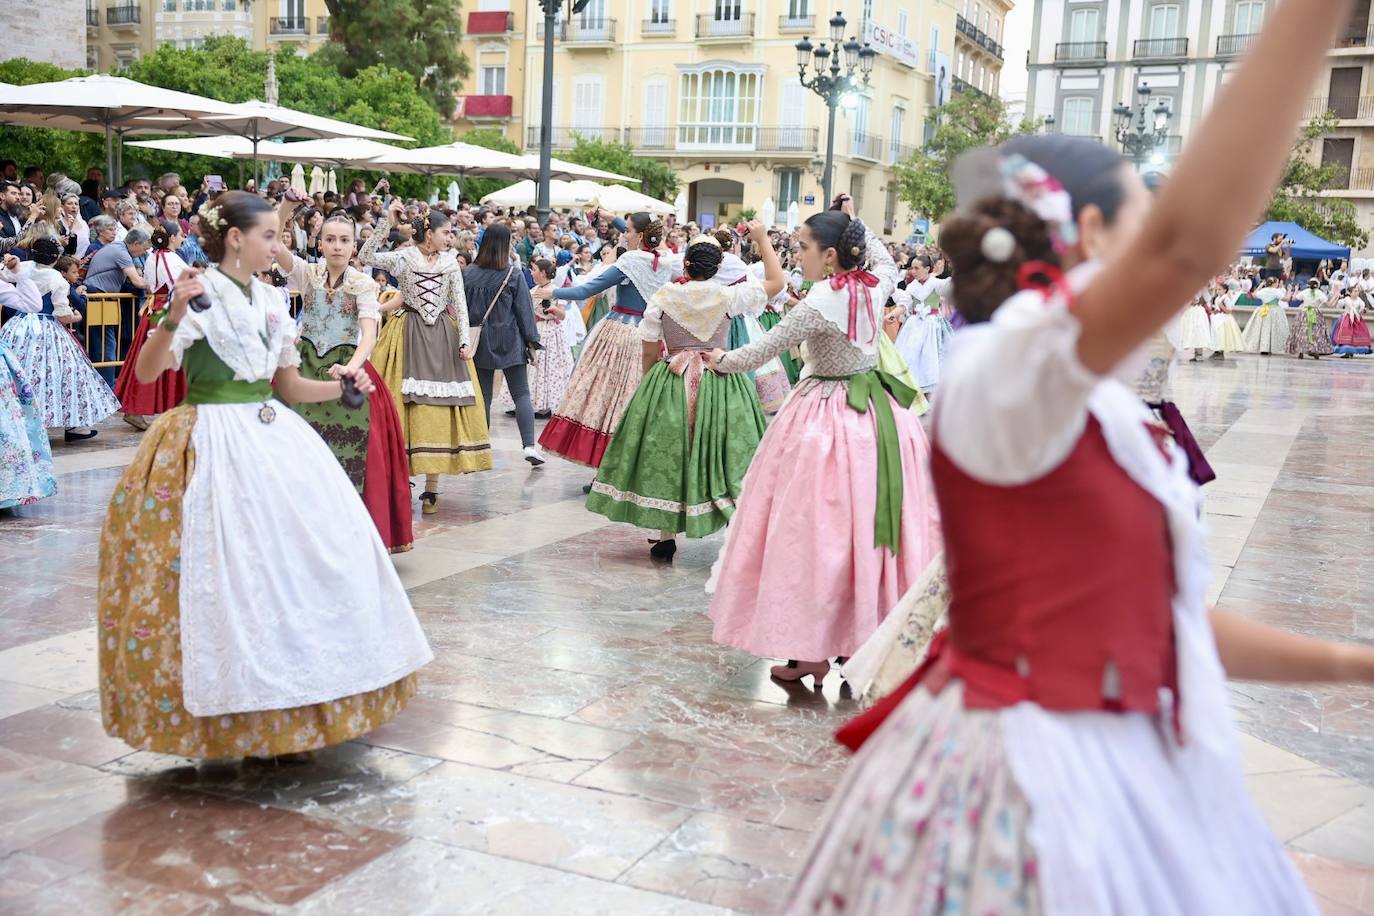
x: 663, y: 550
x: 69, y: 436
x: 587, y: 487
x: 429, y: 503
x: 543, y: 414
x: 510, y: 413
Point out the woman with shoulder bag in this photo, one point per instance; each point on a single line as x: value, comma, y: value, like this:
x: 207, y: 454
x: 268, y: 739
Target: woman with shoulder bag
x: 502, y: 316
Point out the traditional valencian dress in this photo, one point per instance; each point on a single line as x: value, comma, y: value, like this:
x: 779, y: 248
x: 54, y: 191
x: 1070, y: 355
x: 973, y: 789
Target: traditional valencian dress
x: 67, y: 389
x: 25, y: 457
x: 368, y: 440
x: 837, y: 519
x: 1225, y: 332
x: 166, y: 391
x: 926, y: 333
x: 1267, y: 330
x: 1351, y: 335
x: 552, y: 366
x: 232, y: 621
x: 432, y: 388
x: 610, y: 367
x: 1068, y: 747
x: 1196, y: 328
x: 1309, y: 334
x: 678, y: 459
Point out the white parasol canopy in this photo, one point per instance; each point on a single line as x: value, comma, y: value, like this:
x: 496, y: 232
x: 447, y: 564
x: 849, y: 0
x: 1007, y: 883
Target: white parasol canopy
x: 316, y: 181
x: 561, y: 168
x: 454, y: 159
x: 111, y: 105
x: 524, y: 194
x: 214, y: 147
x: 768, y: 213
x: 298, y: 179
x: 620, y: 199
x: 680, y: 205
x: 793, y: 216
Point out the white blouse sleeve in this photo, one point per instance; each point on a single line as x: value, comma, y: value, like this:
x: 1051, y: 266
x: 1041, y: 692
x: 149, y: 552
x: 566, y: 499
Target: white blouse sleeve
x: 651, y: 325
x: 747, y: 298
x: 1013, y: 397
x: 192, y: 327
x: 288, y: 355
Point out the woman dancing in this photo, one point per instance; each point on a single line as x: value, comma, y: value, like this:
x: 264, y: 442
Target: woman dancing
x: 211, y: 646
x: 68, y: 391
x: 338, y: 331
x: 25, y: 457
x: 1352, y: 334
x: 926, y: 333
x: 677, y: 461
x: 1225, y: 332
x: 1070, y: 749
x: 1267, y: 330
x: 142, y: 403
x: 1308, y: 332
x: 609, y: 368
x: 423, y: 355
x: 837, y: 519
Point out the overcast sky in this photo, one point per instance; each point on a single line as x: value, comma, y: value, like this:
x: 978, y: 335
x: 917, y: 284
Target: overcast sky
x: 1015, y: 43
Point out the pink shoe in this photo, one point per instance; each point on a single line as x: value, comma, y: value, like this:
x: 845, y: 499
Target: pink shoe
x: 794, y: 671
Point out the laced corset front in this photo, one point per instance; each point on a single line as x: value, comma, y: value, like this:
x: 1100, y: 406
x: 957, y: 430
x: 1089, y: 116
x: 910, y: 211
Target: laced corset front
x: 429, y: 288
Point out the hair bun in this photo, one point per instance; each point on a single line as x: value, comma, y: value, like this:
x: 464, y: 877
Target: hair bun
x: 702, y: 260
x: 853, y: 244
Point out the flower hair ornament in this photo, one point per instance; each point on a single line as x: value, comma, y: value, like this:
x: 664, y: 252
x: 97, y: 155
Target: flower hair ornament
x: 703, y: 240
x: 209, y: 216
x: 1041, y: 193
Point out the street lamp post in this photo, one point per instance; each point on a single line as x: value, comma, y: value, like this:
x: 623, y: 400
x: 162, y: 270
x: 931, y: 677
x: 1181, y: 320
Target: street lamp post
x: 550, y: 8
x: 1142, y: 130
x: 832, y: 80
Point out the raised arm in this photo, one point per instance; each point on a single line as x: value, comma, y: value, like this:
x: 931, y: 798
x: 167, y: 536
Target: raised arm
x: 372, y: 254
x: 603, y: 281
x: 285, y: 215
x: 1216, y: 190
x: 797, y: 326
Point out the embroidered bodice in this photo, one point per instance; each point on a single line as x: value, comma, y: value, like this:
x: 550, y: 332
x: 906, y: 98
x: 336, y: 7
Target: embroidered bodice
x: 696, y: 315
x: 333, y: 317
x: 253, y: 334
x: 428, y: 287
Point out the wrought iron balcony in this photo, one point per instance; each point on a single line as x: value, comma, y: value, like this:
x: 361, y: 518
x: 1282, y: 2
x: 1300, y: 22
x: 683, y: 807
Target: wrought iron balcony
x: 1080, y: 53
x: 1160, y: 48
x: 660, y: 29
x: 696, y: 138
x: 709, y: 27
x: 796, y: 23
x: 1344, y: 107
x: 1234, y: 45
x: 123, y: 15
x: 583, y: 32
x: 866, y: 146
x: 288, y: 25
x: 963, y: 85
x: 982, y: 39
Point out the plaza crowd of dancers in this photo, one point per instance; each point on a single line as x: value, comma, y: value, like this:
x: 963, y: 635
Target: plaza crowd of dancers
x: 955, y: 473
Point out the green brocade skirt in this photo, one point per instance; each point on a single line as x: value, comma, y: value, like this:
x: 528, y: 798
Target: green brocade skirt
x: 770, y: 320
x: 344, y: 431
x: 663, y: 471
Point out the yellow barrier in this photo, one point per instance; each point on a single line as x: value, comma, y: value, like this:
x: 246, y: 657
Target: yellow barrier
x: 104, y: 310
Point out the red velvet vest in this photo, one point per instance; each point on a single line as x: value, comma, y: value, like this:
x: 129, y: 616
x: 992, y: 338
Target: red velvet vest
x: 1061, y: 588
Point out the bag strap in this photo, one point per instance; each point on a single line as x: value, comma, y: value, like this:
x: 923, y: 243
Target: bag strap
x: 499, y: 290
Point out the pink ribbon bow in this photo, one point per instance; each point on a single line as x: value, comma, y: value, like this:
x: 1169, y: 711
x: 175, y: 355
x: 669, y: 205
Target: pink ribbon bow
x: 856, y: 280
x: 691, y: 365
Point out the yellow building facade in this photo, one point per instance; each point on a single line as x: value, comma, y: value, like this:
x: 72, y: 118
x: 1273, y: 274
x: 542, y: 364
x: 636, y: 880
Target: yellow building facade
x: 118, y: 32
x: 711, y: 88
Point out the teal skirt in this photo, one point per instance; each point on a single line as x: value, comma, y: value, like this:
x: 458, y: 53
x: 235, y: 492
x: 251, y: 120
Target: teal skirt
x: 770, y: 320
x: 665, y: 471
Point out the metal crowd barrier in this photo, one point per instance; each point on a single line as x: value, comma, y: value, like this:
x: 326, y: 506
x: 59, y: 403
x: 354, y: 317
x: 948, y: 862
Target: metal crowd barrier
x: 105, y: 310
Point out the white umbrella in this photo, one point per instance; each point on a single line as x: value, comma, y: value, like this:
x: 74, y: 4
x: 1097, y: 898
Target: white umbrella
x: 298, y: 179
x: 215, y: 147
x: 620, y: 199
x: 768, y: 212
x: 793, y: 216
x: 338, y: 152
x: 524, y: 194
x: 316, y: 181
x: 259, y: 121
x: 454, y: 159
x: 561, y: 168
x: 453, y: 194
x: 332, y: 182
x: 680, y: 205
x: 111, y: 105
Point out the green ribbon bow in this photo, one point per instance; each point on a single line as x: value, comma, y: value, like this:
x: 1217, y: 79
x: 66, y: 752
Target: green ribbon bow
x: 872, y: 387
x: 1311, y: 316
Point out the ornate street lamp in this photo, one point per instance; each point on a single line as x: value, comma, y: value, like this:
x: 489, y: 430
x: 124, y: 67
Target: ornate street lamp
x: 833, y: 80
x: 1141, y: 131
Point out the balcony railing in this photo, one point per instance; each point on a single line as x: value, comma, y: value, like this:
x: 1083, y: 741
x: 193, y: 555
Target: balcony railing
x: 867, y: 146
x: 1080, y: 53
x: 796, y: 23
x: 1234, y: 45
x: 1344, y: 107
x: 708, y: 26
x: 488, y: 106
x: 1354, y: 38
x: 1160, y: 48
x: 123, y: 15
x: 582, y: 32
x: 963, y: 85
x: 92, y: 17
x: 704, y: 138
x: 288, y: 25
x: 1361, y: 180
x: 491, y: 22
x: 660, y: 29
x: 976, y: 35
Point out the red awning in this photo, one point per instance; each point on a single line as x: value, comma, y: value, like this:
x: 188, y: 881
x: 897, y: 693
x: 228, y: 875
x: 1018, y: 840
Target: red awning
x: 487, y: 23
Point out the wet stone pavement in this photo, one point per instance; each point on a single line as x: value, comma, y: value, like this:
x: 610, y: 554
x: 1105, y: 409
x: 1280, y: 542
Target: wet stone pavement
x: 579, y: 744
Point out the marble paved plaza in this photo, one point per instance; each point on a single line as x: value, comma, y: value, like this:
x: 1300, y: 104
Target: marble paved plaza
x: 580, y: 745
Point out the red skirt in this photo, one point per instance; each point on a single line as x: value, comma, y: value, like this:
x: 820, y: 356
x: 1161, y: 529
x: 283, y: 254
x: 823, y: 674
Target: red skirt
x: 575, y: 442
x: 158, y: 396
x: 386, y: 484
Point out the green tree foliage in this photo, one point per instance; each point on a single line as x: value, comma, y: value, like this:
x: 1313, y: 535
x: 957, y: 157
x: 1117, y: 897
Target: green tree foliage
x: 419, y: 37
x: 63, y: 150
x: 658, y: 180
x: 967, y: 120
x: 475, y: 189
x: 1299, y: 199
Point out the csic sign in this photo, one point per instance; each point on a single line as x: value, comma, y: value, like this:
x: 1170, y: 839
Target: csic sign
x: 886, y: 41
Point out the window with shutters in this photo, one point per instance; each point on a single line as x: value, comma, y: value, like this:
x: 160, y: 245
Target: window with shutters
x: 1249, y: 17
x: 493, y: 80
x: 792, y: 115
x: 587, y: 106
x: 798, y: 9
x: 660, y: 12
x: 856, y: 191
x: 1083, y: 26
x: 655, y: 134
x: 789, y: 188
x: 1340, y: 152
x: 719, y: 106
x: 1164, y: 20
x: 728, y: 10
x: 1078, y: 117
x: 895, y: 137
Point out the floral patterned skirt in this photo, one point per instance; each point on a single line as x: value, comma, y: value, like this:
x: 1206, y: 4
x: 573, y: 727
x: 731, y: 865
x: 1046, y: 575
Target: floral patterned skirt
x: 605, y: 379
x: 928, y: 820
x: 25, y: 458
x: 139, y: 628
x: 67, y: 389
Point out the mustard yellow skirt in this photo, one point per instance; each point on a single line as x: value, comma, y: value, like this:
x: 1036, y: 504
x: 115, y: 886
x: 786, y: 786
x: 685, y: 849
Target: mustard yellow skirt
x: 139, y: 626
x: 439, y: 439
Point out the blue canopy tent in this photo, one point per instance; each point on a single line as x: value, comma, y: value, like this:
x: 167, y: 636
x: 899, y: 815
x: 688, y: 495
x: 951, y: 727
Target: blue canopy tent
x: 1306, y: 246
